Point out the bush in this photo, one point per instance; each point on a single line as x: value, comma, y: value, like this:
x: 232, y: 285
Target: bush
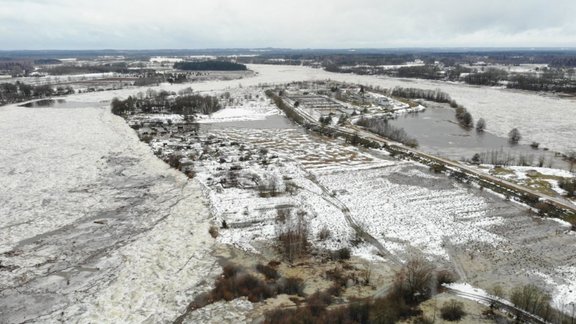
x: 389, y: 309
x: 213, y: 231
x: 318, y: 302
x: 445, y: 277
x: 452, y: 311
x: 269, y: 272
x: 414, y: 282
x: 324, y: 234
x: 235, y: 283
x: 342, y: 254
x: 497, y: 291
x: 291, y: 286
x: 530, y: 298
x: 569, y: 185
x: 438, y: 168
x: 337, y: 276
x: 335, y: 289
x: 174, y: 160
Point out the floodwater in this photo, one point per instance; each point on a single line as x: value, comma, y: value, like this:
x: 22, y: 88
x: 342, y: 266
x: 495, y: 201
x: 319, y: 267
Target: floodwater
x: 438, y: 132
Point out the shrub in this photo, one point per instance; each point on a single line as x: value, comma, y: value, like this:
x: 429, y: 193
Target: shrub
x: 174, y: 160
x: 389, y: 309
x: 291, y: 286
x: 359, y: 311
x: 230, y: 270
x: 452, y: 311
x: 497, y: 291
x: 445, y: 277
x: 414, y: 282
x: 569, y: 185
x: 269, y: 272
x: 438, y: 168
x: 213, y: 231
x: 335, y: 289
x: 324, y: 234
x: 530, y: 298
x: 282, y: 214
x: 342, y: 254
x: 337, y: 276
x: 318, y: 302
x: 544, y: 208
x: 237, y: 283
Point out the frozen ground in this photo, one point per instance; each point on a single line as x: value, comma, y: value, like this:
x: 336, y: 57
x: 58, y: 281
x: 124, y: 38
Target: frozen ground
x: 94, y: 228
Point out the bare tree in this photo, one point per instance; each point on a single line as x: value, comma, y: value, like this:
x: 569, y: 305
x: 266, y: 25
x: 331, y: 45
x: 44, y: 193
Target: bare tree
x: 293, y: 236
x: 416, y: 280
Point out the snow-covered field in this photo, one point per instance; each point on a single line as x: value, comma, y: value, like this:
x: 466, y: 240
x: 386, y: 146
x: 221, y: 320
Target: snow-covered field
x: 409, y: 205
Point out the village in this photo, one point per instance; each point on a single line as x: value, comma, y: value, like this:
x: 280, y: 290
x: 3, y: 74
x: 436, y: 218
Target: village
x: 266, y: 178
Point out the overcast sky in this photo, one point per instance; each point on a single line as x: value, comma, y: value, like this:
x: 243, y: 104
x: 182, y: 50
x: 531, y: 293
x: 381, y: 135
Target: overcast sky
x: 194, y: 24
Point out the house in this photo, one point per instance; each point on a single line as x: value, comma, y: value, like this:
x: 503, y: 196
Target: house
x: 146, y: 131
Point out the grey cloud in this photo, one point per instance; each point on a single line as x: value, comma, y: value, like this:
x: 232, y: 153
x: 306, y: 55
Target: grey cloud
x: 35, y: 24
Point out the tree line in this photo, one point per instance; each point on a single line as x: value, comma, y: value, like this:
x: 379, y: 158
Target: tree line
x: 210, y: 66
x: 185, y: 104
x: 73, y: 69
x: 381, y: 127
x: 17, y: 92
x: 414, y: 93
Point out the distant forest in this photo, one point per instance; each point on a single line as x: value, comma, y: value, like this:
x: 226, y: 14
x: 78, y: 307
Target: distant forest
x: 210, y: 66
x: 69, y: 69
